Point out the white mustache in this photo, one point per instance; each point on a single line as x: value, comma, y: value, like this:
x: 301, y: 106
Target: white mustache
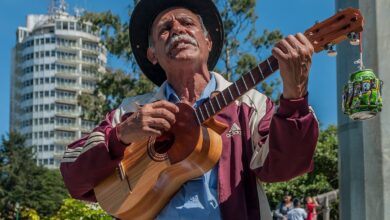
x: 185, y: 37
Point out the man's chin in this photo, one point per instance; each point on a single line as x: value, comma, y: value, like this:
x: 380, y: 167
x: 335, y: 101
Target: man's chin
x: 183, y: 56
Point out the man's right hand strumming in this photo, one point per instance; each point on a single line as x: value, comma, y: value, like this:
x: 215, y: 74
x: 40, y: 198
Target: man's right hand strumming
x: 150, y: 120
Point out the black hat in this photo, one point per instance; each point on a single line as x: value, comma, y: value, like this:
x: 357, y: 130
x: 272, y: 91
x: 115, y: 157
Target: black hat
x: 141, y: 21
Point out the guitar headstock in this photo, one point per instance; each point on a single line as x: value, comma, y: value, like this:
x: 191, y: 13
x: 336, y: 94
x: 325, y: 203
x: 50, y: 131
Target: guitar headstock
x: 335, y: 29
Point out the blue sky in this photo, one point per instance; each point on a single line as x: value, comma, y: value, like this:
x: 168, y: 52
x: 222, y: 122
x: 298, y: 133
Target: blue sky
x: 289, y: 17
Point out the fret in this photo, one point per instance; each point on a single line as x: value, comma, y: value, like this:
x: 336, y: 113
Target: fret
x: 219, y: 106
x: 239, y: 93
x: 201, y: 113
x: 223, y: 96
x: 253, y: 79
x: 230, y: 92
x: 243, y: 80
x: 197, y: 118
x: 270, y: 67
x: 212, y: 107
x: 261, y: 71
x: 207, y: 111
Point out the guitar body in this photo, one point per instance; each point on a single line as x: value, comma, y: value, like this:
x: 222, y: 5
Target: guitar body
x: 146, y: 179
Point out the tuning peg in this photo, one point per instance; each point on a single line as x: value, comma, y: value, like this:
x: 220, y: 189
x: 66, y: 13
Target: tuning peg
x: 353, y: 38
x: 331, y: 51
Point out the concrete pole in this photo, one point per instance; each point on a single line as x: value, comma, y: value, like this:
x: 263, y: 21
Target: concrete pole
x: 326, y: 209
x: 364, y: 154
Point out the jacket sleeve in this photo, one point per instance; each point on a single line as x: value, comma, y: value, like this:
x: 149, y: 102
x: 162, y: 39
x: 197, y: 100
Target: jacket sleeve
x: 288, y: 140
x: 90, y: 159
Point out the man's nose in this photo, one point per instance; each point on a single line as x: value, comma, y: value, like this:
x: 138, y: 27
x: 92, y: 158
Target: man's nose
x: 177, y: 28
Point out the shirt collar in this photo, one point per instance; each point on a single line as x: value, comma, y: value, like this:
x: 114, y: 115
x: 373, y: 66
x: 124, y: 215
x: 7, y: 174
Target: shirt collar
x: 210, y: 87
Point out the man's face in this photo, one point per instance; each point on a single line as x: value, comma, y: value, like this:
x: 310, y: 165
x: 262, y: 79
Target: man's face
x: 177, y: 36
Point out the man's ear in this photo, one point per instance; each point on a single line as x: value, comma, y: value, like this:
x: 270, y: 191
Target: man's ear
x: 209, y: 42
x: 150, y: 53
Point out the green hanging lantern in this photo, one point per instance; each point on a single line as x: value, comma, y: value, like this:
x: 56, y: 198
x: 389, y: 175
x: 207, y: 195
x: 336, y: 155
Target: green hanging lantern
x: 362, y: 95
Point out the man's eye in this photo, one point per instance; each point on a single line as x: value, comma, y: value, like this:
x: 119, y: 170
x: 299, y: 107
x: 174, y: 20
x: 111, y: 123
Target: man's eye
x: 164, y: 29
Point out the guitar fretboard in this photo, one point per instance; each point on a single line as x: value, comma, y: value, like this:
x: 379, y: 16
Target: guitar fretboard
x: 247, y: 82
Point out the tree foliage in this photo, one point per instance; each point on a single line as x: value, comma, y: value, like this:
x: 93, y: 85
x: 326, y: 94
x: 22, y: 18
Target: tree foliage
x: 323, y: 178
x: 75, y: 209
x: 114, y: 86
x: 23, y: 184
x: 243, y: 44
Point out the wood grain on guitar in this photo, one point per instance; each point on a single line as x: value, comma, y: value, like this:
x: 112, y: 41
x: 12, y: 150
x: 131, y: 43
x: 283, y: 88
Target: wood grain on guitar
x: 152, y: 171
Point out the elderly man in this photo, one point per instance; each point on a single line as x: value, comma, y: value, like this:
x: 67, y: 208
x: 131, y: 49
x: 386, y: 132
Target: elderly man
x: 176, y: 43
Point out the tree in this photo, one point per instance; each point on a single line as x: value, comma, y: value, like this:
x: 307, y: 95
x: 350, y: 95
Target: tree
x: 243, y: 45
x: 75, y: 209
x: 323, y: 178
x: 114, y: 86
x: 23, y: 183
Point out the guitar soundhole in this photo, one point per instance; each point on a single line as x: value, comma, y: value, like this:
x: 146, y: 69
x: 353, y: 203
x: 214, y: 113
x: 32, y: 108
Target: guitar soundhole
x: 158, y: 147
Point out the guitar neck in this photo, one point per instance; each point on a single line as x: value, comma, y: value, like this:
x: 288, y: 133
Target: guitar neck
x: 247, y: 82
x: 322, y: 35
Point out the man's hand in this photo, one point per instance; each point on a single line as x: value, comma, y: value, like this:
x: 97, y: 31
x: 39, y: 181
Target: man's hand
x: 150, y: 120
x: 294, y: 56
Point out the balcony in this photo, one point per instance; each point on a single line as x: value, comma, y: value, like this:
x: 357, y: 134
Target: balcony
x: 67, y: 127
x: 69, y: 114
x: 64, y: 141
x: 67, y: 74
x: 90, y: 50
x: 68, y: 47
x: 90, y: 75
x: 68, y: 60
x: 72, y: 101
x: 68, y: 86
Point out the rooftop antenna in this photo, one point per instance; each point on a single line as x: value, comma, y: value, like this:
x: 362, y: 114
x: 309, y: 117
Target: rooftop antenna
x: 78, y: 11
x: 57, y: 7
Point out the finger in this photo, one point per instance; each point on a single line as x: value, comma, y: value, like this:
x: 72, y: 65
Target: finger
x: 303, y: 39
x: 163, y: 113
x: 281, y: 47
x: 295, y: 43
x: 159, y: 124
x: 278, y: 54
x: 286, y: 47
x: 152, y: 132
x: 165, y: 104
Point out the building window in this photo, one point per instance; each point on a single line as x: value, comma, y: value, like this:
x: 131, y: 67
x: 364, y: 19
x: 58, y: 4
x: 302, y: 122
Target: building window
x: 78, y: 26
x: 65, y: 25
x: 58, y: 25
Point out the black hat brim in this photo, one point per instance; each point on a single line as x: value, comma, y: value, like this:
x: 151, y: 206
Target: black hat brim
x: 143, y: 16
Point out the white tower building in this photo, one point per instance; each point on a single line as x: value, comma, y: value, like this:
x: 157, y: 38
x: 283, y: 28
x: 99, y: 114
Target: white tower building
x: 55, y: 59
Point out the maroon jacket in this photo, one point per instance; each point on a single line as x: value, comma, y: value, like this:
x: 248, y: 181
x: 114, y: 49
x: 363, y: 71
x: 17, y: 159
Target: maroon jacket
x: 259, y: 146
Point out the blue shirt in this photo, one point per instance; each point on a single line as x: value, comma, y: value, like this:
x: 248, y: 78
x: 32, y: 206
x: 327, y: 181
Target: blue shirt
x: 197, y: 198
